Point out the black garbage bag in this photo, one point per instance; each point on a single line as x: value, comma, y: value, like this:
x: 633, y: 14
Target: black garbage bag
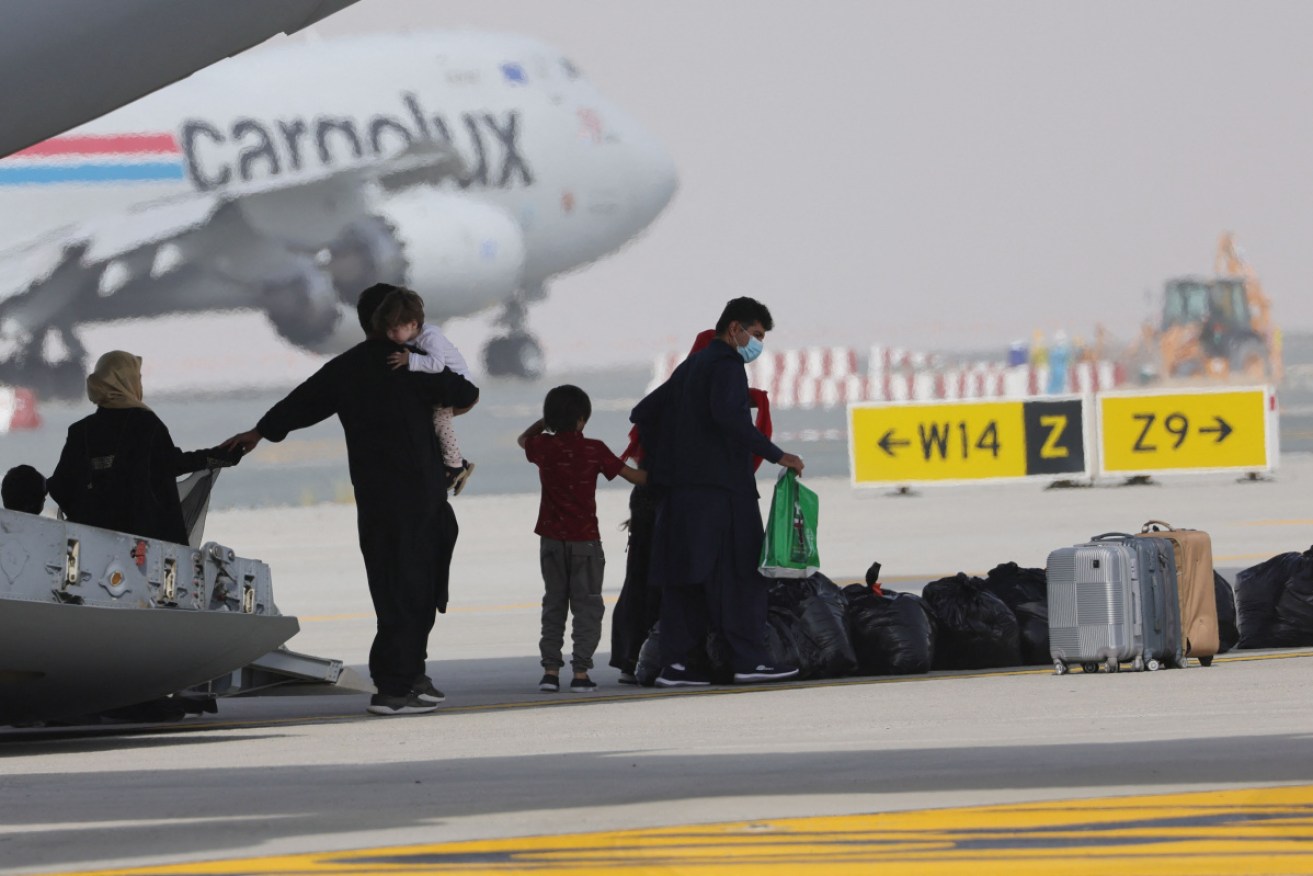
x: 816, y: 607
x: 1026, y: 592
x: 649, y: 658
x: 821, y: 631
x: 1294, y: 626
x: 854, y: 592
x: 1228, y: 632
x: 787, y: 594
x: 975, y: 629
x: 892, y: 633
x: 782, y: 644
x: 1016, y: 584
x: 1033, y: 632
x: 1257, y: 590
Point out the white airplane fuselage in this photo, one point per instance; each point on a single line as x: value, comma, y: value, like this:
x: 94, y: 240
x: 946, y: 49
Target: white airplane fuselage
x: 554, y: 176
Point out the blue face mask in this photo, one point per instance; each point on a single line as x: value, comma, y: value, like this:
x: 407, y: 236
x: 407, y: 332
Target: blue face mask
x: 752, y: 349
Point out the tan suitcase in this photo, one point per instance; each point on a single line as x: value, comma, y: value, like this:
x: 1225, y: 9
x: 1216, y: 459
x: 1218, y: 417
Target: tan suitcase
x: 1194, y: 569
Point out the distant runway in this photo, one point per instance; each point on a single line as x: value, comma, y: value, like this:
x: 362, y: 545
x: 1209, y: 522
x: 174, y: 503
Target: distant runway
x: 310, y: 466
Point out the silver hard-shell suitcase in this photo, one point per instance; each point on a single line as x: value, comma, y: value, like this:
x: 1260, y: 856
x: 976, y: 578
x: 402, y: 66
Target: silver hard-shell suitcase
x: 1112, y: 601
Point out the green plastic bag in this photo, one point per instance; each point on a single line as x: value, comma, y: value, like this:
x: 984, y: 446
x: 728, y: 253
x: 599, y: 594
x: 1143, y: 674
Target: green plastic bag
x: 789, y: 548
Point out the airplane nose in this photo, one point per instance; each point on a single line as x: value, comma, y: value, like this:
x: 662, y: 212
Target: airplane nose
x: 655, y: 180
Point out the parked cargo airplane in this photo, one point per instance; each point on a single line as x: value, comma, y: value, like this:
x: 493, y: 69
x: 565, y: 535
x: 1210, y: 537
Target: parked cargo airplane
x: 471, y: 167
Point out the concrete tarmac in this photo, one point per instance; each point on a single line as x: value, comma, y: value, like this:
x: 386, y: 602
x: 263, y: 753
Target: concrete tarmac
x: 294, y: 775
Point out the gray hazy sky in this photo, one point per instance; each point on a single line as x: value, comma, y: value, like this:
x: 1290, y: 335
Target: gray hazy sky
x: 927, y: 174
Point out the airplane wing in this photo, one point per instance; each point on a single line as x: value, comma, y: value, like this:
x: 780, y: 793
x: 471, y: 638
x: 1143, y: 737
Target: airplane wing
x: 320, y: 199
x: 65, y: 62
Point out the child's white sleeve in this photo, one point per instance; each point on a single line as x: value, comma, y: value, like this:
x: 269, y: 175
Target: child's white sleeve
x: 440, y: 352
x: 432, y: 342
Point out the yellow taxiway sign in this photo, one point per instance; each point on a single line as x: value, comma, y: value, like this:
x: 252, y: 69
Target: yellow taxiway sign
x: 904, y: 443
x: 1187, y: 430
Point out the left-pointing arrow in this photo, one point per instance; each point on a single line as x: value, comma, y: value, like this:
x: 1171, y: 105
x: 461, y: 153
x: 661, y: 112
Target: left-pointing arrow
x: 887, y: 443
x: 1223, y: 429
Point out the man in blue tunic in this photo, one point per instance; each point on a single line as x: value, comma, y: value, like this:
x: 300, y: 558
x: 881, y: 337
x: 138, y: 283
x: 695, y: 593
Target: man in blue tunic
x: 699, y: 441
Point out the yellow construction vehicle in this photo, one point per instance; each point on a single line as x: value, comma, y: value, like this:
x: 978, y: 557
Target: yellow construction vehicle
x: 1218, y: 328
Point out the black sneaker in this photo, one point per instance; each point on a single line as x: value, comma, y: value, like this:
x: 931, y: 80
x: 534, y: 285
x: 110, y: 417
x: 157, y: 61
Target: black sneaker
x: 408, y: 704
x: 628, y: 678
x: 425, y: 690
x: 766, y: 673
x: 678, y: 675
x: 550, y: 683
x: 582, y: 685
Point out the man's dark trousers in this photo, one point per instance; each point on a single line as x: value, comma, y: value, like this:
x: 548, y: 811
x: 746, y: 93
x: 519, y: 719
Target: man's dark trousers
x: 720, y: 589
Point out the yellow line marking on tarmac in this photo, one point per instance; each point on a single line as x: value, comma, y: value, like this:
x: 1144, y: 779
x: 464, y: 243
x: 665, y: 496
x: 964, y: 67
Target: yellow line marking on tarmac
x: 1246, y: 831
x: 1303, y: 522
x: 1230, y: 558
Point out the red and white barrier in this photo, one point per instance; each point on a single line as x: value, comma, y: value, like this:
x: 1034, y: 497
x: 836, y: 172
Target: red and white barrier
x: 830, y: 377
x: 18, y: 409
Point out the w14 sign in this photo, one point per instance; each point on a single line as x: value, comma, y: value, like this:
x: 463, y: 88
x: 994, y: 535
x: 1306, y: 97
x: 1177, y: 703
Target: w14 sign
x: 901, y: 443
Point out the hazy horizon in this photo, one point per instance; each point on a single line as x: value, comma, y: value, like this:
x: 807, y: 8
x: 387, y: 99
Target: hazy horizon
x: 927, y: 175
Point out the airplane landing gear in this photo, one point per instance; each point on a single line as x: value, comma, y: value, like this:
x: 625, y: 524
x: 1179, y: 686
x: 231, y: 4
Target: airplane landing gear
x: 63, y: 379
x: 368, y: 252
x: 303, y: 304
x: 515, y: 355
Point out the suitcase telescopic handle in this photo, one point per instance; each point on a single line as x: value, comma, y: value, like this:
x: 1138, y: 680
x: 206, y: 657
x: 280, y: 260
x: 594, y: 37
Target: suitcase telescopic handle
x: 1111, y: 535
x: 1152, y: 526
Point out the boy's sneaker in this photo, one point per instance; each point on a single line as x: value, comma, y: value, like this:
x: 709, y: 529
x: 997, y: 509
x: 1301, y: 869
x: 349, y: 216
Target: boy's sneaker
x: 425, y: 690
x: 766, y: 673
x: 582, y: 685
x: 408, y: 704
x: 461, y: 477
x: 550, y: 683
x: 628, y: 678
x: 678, y: 675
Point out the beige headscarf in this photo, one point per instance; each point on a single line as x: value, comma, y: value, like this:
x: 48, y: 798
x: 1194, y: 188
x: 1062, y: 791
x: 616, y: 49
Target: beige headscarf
x: 116, y: 382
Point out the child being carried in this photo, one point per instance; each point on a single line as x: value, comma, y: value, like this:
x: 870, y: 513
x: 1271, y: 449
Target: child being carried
x: 401, y: 317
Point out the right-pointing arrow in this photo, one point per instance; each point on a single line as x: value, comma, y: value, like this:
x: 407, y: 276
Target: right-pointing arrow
x: 1222, y: 430
x: 887, y: 443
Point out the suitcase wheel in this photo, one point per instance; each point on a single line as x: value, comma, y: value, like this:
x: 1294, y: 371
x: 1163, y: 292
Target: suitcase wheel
x: 1154, y: 665
x: 1112, y: 665
x: 1060, y: 668
x: 1089, y: 667
x: 1206, y: 661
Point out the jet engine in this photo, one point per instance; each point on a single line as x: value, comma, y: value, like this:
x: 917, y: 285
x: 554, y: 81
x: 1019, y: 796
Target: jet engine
x: 461, y: 256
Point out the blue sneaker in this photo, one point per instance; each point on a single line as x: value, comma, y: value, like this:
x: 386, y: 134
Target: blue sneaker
x: 678, y: 675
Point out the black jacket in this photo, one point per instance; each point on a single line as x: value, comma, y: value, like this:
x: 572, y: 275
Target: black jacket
x: 696, y: 428
x: 119, y: 470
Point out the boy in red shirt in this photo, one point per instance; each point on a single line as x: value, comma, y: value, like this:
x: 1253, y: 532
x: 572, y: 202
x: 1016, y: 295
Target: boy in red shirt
x: 571, y: 551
